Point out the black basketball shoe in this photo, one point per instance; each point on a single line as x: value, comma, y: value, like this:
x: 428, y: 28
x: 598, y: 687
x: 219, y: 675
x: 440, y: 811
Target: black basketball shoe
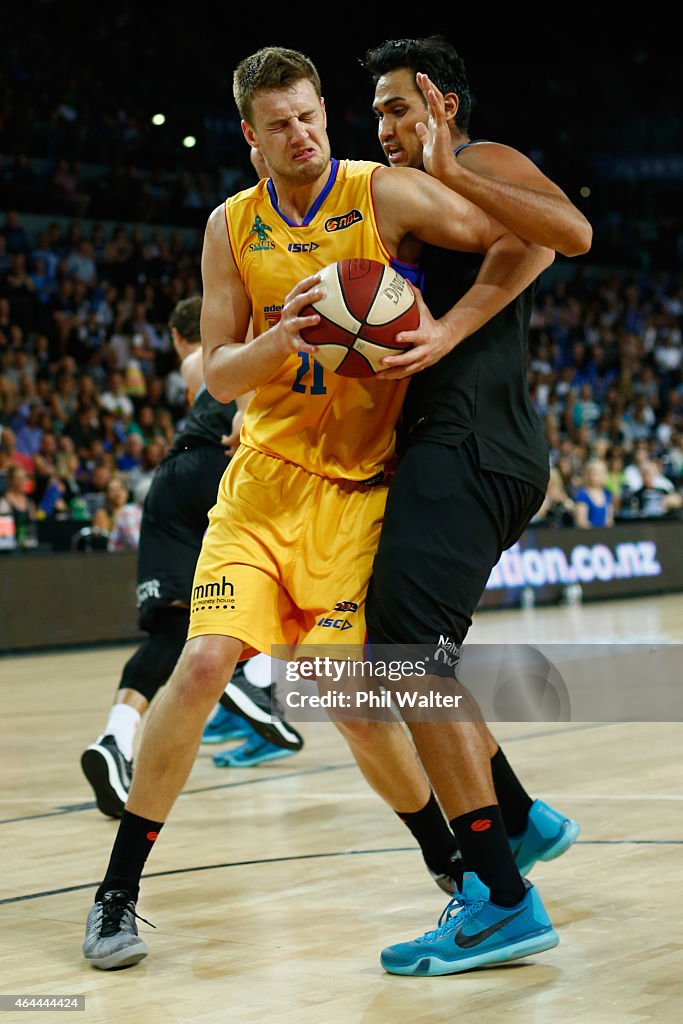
x: 109, y: 774
x: 257, y: 704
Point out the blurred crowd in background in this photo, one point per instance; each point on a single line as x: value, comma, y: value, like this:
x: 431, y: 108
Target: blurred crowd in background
x: 103, y: 214
x: 91, y: 395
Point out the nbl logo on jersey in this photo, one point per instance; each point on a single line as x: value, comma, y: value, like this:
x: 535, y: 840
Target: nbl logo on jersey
x: 345, y: 220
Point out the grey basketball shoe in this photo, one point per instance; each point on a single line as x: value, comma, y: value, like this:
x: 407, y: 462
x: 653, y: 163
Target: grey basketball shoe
x: 111, y: 934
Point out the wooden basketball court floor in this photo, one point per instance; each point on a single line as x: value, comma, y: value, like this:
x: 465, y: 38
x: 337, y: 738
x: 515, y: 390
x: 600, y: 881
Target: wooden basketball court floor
x: 274, y: 888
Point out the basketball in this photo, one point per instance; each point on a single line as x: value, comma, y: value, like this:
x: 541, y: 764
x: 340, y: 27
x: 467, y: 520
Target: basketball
x: 365, y: 305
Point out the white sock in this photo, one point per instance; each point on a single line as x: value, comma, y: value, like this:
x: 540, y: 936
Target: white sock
x: 259, y: 670
x: 122, y: 723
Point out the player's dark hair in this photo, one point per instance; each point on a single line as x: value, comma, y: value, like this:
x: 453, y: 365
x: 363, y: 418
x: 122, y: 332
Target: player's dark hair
x: 434, y: 56
x: 272, y: 67
x: 185, y: 318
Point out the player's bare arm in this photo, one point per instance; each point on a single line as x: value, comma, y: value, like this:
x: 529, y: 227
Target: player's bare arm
x: 232, y: 367
x: 503, y: 182
x: 191, y: 370
x: 410, y: 202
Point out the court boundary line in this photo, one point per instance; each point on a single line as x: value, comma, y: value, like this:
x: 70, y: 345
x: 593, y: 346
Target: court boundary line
x: 91, y: 805
x: 303, y: 857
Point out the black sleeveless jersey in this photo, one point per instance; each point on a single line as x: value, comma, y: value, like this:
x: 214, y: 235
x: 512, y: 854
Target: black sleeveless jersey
x: 480, y: 387
x: 207, y: 421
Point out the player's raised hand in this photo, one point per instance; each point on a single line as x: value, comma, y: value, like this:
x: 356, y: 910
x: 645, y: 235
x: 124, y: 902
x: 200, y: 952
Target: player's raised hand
x: 293, y: 318
x: 435, y: 135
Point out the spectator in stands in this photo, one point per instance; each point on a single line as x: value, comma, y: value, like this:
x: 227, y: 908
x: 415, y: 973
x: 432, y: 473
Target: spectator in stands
x: 69, y: 193
x: 593, y: 505
x: 44, y: 253
x: 615, y: 480
x: 20, y: 290
x: 164, y: 428
x: 8, y: 390
x: 112, y: 432
x: 131, y: 456
x: 9, y: 456
x: 119, y: 518
x: 86, y: 342
x: 140, y: 477
x: 569, y: 466
x: 68, y: 467
x: 674, y: 459
x: 582, y: 410
x: 83, y: 428
x: 17, y: 502
x: 557, y: 509
x: 52, y: 493
x: 44, y: 463
x: 15, y: 234
x: 115, y: 398
x: 43, y: 285
x: 28, y: 429
x: 94, y: 487
x: 144, y: 424
x: 80, y: 263
x: 63, y: 309
x: 652, y: 500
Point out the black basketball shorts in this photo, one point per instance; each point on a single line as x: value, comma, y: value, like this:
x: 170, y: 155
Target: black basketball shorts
x: 174, y: 519
x: 446, y: 524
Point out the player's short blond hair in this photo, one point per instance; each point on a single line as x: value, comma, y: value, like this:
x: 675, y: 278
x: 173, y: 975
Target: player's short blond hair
x: 272, y: 67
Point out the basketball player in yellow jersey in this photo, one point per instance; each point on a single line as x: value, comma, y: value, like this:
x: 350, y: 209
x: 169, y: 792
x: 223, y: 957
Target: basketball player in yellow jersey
x: 298, y: 512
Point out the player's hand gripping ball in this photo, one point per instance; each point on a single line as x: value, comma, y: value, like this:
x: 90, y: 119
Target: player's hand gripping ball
x: 365, y: 305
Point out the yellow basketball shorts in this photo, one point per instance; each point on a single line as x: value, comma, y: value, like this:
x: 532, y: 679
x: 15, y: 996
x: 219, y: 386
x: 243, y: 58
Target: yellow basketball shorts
x: 286, y: 558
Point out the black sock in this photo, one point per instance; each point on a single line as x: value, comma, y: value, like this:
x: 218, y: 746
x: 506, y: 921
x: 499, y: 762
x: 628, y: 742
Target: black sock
x: 483, y: 842
x: 513, y: 799
x: 134, y: 840
x: 436, y: 840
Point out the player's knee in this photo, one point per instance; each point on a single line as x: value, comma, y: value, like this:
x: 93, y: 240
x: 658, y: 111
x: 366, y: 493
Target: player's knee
x: 359, y: 733
x: 200, y: 677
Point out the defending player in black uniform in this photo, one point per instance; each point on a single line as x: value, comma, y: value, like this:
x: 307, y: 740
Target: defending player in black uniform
x: 473, y: 471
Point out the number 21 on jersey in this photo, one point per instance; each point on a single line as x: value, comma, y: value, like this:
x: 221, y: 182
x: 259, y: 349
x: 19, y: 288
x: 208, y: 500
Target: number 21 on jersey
x: 301, y: 384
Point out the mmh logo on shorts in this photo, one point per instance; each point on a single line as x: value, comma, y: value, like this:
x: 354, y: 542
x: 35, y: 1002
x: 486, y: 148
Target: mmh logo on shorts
x: 208, y: 593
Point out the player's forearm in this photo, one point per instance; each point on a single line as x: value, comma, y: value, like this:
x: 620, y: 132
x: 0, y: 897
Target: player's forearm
x: 541, y: 217
x: 510, y: 266
x: 232, y: 370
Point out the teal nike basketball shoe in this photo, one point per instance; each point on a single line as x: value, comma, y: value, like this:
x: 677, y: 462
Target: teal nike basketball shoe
x: 474, y: 932
x: 548, y: 834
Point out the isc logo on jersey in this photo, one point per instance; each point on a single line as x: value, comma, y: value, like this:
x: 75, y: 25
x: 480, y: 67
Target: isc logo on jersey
x: 302, y: 247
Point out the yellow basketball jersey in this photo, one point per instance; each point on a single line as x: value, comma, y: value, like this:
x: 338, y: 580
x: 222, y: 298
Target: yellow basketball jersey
x: 330, y: 425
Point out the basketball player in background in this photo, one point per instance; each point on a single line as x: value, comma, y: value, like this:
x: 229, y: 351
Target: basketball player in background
x: 299, y: 508
x: 175, y: 517
x: 473, y: 470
